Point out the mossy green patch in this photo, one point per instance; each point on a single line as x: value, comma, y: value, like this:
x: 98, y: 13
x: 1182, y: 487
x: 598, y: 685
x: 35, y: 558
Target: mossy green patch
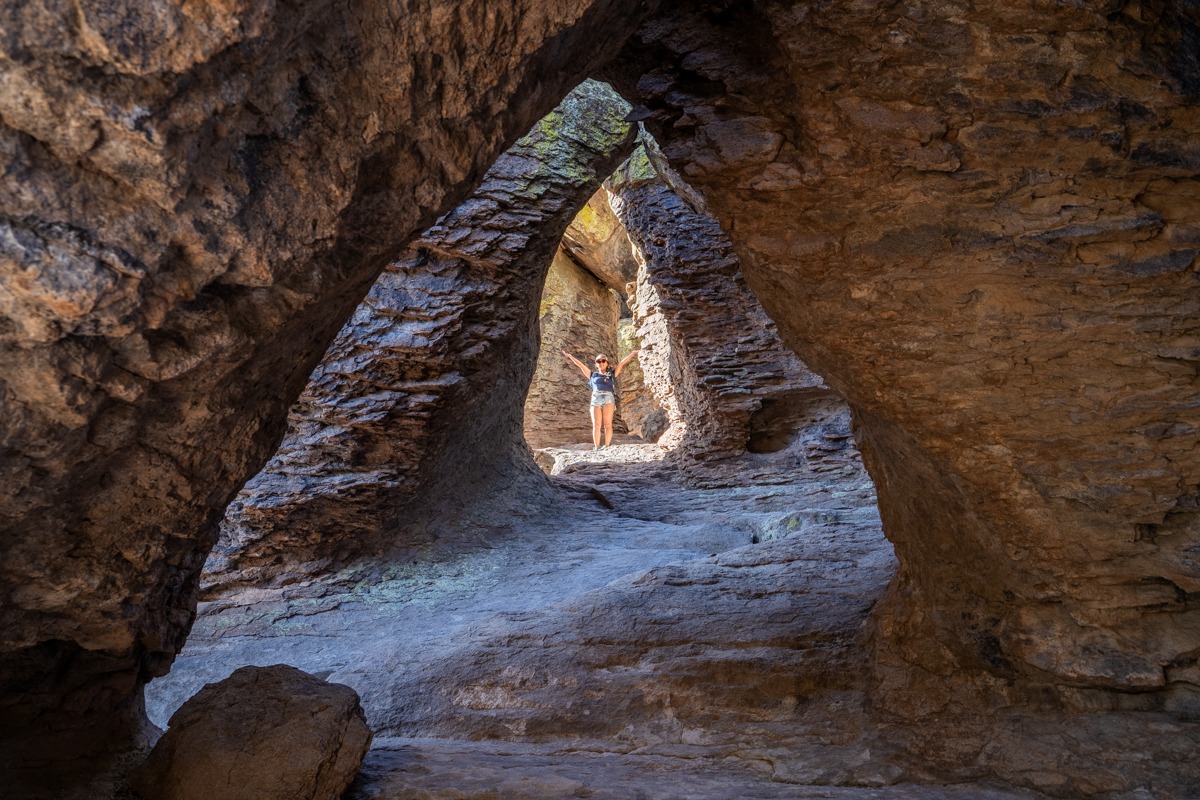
x: 595, y: 221
x: 424, y: 580
x: 592, y: 115
x: 638, y: 168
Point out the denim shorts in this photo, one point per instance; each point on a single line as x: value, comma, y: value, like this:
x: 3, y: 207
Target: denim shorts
x: 602, y: 399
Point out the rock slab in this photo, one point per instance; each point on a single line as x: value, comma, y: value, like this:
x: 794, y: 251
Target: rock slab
x: 262, y: 733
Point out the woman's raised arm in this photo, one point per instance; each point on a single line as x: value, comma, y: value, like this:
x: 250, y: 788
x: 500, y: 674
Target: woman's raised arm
x: 624, y: 361
x: 587, y: 373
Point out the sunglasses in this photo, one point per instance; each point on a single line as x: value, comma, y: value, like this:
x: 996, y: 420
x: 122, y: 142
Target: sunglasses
x: 601, y: 360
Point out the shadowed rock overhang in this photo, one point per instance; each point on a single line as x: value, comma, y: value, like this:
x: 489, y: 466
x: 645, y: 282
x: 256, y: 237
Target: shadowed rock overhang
x: 979, y: 223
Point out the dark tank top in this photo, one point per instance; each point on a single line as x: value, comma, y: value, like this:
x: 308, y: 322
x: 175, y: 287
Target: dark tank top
x: 603, y: 381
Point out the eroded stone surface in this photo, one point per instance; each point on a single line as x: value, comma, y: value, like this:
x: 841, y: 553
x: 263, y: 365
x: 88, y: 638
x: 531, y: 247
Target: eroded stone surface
x: 597, y: 240
x: 977, y: 221
x: 263, y: 733
x: 402, y: 768
x: 979, y: 224
x: 195, y: 199
x: 711, y: 355
x: 650, y: 626
x: 416, y: 408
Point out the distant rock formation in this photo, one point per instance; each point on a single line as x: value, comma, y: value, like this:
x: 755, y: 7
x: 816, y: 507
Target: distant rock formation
x: 712, y: 356
x: 580, y: 314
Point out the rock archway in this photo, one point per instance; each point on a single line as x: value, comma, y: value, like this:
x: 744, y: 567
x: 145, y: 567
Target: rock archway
x: 195, y: 202
x: 978, y: 224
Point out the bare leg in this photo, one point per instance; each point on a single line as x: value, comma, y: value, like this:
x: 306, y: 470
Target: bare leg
x: 609, y: 408
x: 597, y: 421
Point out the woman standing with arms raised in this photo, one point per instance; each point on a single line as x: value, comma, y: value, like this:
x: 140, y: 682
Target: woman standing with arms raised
x: 603, y: 381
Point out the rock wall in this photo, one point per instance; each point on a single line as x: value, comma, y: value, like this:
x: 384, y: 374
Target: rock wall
x: 196, y: 198
x: 596, y: 239
x: 417, y: 407
x: 578, y: 313
x: 583, y: 311
x: 712, y: 356
x: 637, y: 408
x: 980, y: 224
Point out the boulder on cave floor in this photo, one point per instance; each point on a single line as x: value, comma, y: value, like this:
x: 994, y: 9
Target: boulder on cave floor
x: 262, y: 733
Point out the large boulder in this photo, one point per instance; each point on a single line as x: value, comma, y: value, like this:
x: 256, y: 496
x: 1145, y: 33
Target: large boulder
x: 262, y: 733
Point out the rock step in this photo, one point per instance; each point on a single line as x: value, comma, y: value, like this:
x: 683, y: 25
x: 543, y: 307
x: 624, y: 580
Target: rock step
x: 445, y: 769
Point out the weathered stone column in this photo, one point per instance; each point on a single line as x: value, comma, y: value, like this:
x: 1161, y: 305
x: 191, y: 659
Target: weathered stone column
x: 417, y: 408
x: 711, y: 352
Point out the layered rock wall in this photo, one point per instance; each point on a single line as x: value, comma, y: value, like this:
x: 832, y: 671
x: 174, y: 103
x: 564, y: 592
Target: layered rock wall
x: 417, y: 406
x: 977, y: 221
x: 980, y: 224
x: 584, y: 311
x: 711, y: 354
x: 195, y: 200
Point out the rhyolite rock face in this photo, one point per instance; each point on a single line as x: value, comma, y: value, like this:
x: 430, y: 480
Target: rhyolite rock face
x: 597, y: 240
x: 711, y: 355
x: 416, y: 408
x: 980, y: 224
x: 584, y: 311
x: 263, y: 733
x: 194, y: 202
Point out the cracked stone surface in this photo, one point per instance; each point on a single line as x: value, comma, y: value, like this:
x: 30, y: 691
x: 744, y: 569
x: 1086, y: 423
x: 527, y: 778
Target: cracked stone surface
x: 646, y: 626
x: 406, y: 768
x: 978, y: 222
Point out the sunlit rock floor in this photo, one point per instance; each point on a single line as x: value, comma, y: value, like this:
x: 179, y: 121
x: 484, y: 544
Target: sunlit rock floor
x: 651, y: 635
